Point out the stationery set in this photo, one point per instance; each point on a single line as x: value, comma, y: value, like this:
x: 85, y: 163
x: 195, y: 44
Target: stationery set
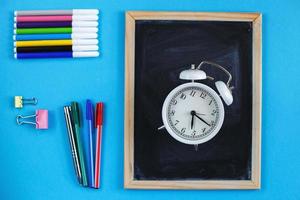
x: 56, y: 33
x: 87, y: 173
x: 64, y: 34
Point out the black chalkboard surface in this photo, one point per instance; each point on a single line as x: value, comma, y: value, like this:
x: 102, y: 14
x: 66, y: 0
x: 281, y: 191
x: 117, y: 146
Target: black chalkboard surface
x: 163, y: 48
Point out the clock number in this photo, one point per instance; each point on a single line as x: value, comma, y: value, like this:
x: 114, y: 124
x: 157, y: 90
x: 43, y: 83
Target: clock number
x: 202, y: 95
x: 203, y: 130
x: 182, y: 96
x: 194, y: 133
x: 183, y: 130
x: 176, y: 122
x: 174, y: 102
x: 172, y: 112
x: 210, y: 102
x: 212, y: 123
x: 213, y: 112
x: 193, y: 93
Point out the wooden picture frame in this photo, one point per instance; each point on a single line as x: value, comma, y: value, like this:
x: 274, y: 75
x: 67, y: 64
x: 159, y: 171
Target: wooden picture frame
x: 129, y: 181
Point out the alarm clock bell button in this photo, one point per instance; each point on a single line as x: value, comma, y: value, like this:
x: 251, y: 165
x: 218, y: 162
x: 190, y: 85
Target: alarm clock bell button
x: 192, y: 74
x: 225, y: 92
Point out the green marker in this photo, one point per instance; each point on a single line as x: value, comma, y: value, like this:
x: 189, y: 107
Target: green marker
x: 42, y: 30
x: 76, y: 122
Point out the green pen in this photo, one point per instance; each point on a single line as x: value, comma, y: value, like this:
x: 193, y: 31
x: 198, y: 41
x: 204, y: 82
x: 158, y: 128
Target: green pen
x: 76, y: 121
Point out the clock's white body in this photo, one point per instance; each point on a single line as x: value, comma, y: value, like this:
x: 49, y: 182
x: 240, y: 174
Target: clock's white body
x: 202, y: 100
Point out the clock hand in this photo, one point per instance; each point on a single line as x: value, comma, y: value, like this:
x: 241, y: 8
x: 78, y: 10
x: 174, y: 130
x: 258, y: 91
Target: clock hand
x: 192, y: 122
x: 202, y: 120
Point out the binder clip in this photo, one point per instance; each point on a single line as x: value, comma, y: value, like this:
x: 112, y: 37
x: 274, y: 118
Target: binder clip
x: 20, y: 101
x: 41, y: 119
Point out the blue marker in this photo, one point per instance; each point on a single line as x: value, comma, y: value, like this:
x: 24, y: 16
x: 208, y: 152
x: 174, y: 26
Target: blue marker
x: 91, y: 164
x: 66, y: 54
x: 42, y: 37
x: 55, y: 36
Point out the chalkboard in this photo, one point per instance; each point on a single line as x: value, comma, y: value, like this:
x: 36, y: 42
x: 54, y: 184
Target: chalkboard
x: 162, y: 49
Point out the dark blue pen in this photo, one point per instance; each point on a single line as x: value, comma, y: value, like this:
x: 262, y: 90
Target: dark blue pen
x: 89, y: 118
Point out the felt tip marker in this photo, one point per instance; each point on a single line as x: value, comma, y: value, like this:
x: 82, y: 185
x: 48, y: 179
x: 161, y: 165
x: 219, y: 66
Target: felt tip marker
x: 73, y: 48
x: 58, y: 36
x: 56, y: 18
x: 57, y: 12
x: 55, y: 42
x: 55, y: 30
x: 57, y: 55
x: 56, y: 24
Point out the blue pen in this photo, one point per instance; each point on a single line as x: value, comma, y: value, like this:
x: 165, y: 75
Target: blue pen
x: 89, y: 118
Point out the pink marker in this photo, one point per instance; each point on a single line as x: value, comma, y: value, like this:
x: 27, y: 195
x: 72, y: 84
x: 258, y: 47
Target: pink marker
x: 57, y: 18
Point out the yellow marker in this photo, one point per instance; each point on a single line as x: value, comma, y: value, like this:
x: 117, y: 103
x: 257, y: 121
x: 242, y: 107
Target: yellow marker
x: 43, y: 43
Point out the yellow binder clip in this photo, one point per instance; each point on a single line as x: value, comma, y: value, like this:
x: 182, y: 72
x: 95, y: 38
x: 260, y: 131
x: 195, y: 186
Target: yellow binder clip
x: 20, y: 101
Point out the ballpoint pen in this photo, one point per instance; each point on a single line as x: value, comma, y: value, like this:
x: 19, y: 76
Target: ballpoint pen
x: 90, y: 129
x: 76, y: 123
x: 74, y: 151
x: 99, y: 122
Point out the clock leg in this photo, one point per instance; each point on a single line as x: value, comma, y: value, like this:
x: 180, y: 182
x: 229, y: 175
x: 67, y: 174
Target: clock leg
x: 196, y: 147
x: 162, y: 127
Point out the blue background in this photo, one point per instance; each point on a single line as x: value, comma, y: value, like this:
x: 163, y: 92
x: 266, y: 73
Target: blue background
x: 37, y: 164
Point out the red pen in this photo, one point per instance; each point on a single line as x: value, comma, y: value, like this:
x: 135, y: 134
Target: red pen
x: 99, y: 123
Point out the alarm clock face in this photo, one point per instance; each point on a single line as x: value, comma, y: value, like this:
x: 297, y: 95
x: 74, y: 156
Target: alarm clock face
x: 193, y: 113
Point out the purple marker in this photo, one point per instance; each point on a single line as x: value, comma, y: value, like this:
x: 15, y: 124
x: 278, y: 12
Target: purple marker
x: 42, y: 24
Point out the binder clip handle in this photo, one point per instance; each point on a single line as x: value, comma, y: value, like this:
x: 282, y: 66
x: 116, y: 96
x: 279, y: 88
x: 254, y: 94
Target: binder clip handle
x: 20, y: 101
x: 19, y: 117
x: 41, y: 119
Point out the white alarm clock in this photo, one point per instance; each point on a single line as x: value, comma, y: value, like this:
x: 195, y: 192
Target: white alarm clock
x: 193, y: 113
